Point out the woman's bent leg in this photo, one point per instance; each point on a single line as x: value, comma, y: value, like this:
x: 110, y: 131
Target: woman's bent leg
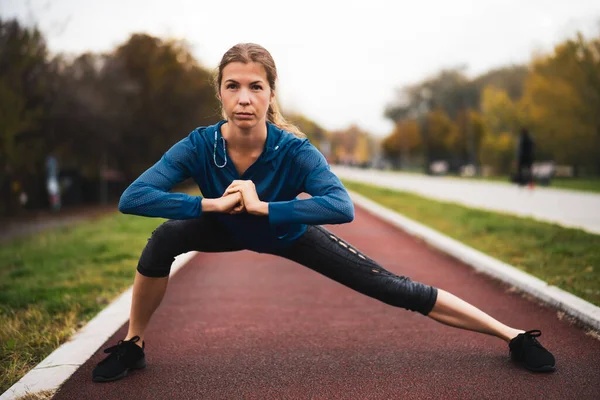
x: 169, y: 240
x: 147, y: 296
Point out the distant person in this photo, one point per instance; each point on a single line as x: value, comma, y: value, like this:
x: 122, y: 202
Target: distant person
x: 525, y: 158
x: 52, y: 184
x: 250, y: 168
x: 53, y: 194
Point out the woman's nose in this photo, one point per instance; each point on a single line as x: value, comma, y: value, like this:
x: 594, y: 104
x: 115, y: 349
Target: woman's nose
x: 244, y: 97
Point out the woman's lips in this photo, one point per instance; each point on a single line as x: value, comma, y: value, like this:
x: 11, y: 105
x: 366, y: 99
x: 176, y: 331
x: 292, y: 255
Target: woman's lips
x: 244, y: 115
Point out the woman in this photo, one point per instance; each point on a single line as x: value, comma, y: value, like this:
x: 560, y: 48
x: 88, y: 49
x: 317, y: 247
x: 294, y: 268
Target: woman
x: 250, y: 167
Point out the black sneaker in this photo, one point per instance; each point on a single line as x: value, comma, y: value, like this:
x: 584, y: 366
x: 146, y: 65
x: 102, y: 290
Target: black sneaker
x: 124, y: 356
x: 526, y: 350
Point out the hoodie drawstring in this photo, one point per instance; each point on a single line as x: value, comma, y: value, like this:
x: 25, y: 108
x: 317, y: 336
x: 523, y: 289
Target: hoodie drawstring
x: 224, y: 152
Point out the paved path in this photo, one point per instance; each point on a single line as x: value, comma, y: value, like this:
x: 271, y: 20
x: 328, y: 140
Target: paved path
x: 249, y: 326
x: 565, y: 207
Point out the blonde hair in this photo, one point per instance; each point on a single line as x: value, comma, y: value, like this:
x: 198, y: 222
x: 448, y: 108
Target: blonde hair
x: 247, y: 53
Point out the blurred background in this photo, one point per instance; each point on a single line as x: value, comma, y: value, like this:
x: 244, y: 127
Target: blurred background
x: 461, y: 100
x: 91, y: 95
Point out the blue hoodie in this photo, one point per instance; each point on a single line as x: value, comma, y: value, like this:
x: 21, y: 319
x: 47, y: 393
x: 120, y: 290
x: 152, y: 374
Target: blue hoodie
x: 287, y: 167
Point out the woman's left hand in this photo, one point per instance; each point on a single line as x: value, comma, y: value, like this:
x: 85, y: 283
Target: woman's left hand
x: 251, y: 201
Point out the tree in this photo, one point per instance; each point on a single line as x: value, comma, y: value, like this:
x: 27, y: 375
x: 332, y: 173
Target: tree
x: 22, y: 105
x: 464, y: 141
x: 499, y: 112
x: 510, y: 79
x: 437, y: 135
x: 313, y: 131
x: 169, y: 94
x: 561, y: 102
x: 436, y: 103
x: 450, y: 90
x: 498, y: 151
x: 404, y: 142
x: 352, y: 145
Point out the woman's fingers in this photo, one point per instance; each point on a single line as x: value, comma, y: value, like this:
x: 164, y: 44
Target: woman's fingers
x: 237, y: 210
x: 240, y: 185
x: 246, y: 192
x: 235, y: 184
x: 239, y: 206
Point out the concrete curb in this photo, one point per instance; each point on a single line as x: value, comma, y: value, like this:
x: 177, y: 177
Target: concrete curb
x: 579, y: 309
x: 64, y: 361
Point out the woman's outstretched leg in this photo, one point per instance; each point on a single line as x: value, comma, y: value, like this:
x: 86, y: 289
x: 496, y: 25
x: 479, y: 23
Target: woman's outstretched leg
x: 523, y: 346
x: 327, y: 254
x: 453, y: 311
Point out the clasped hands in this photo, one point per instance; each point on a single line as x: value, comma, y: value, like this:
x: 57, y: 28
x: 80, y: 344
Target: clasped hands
x: 241, y: 197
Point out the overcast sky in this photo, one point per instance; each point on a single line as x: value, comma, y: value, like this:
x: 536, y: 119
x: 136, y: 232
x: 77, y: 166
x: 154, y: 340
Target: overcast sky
x: 339, y: 62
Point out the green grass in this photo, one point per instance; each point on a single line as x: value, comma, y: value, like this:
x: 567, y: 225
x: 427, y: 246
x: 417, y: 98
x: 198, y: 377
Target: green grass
x: 567, y: 258
x: 54, y: 282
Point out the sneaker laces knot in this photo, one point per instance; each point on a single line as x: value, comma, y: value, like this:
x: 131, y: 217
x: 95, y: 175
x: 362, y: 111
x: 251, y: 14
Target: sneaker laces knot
x: 533, y: 334
x: 119, y: 348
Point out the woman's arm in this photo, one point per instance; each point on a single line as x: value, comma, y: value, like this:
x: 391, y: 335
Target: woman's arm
x: 330, y: 202
x: 149, y: 194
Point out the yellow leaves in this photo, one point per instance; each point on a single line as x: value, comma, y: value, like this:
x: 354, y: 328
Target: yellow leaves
x: 313, y: 131
x: 498, y: 151
x: 440, y: 131
x: 499, y: 111
x: 352, y: 145
x: 406, y: 136
x: 557, y: 97
x: 362, y: 153
x: 561, y: 99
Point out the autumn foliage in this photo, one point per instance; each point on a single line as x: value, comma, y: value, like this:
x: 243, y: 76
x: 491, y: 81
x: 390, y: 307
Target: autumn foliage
x: 475, y: 121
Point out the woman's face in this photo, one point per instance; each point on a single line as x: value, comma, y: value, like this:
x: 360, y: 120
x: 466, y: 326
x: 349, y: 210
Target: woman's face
x: 245, y: 94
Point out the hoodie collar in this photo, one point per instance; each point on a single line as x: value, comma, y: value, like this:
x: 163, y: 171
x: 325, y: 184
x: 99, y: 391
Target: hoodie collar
x: 276, y: 139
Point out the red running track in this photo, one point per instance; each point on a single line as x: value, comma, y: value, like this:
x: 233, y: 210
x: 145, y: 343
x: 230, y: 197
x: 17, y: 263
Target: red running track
x: 249, y: 326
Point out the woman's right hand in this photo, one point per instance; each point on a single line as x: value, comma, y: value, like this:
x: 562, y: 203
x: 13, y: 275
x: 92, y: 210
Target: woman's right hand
x: 228, y: 204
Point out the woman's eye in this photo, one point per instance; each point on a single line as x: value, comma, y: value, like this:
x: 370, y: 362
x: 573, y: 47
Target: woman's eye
x: 230, y: 86
x: 257, y: 87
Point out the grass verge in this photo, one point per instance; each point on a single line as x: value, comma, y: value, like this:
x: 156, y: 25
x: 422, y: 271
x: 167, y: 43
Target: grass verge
x: 564, y: 257
x: 54, y: 282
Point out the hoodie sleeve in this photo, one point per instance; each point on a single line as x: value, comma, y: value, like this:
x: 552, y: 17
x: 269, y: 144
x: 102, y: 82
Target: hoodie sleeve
x: 330, y: 202
x: 149, y: 194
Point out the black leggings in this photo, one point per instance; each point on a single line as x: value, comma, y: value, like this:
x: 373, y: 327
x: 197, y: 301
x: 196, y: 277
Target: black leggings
x: 317, y: 249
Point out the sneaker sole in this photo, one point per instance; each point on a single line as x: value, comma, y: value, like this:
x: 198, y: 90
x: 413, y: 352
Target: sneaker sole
x: 545, y: 368
x: 140, y: 365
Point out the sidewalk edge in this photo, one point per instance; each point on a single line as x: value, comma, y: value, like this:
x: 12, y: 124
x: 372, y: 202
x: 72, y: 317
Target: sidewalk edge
x: 572, y: 305
x: 55, y: 369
